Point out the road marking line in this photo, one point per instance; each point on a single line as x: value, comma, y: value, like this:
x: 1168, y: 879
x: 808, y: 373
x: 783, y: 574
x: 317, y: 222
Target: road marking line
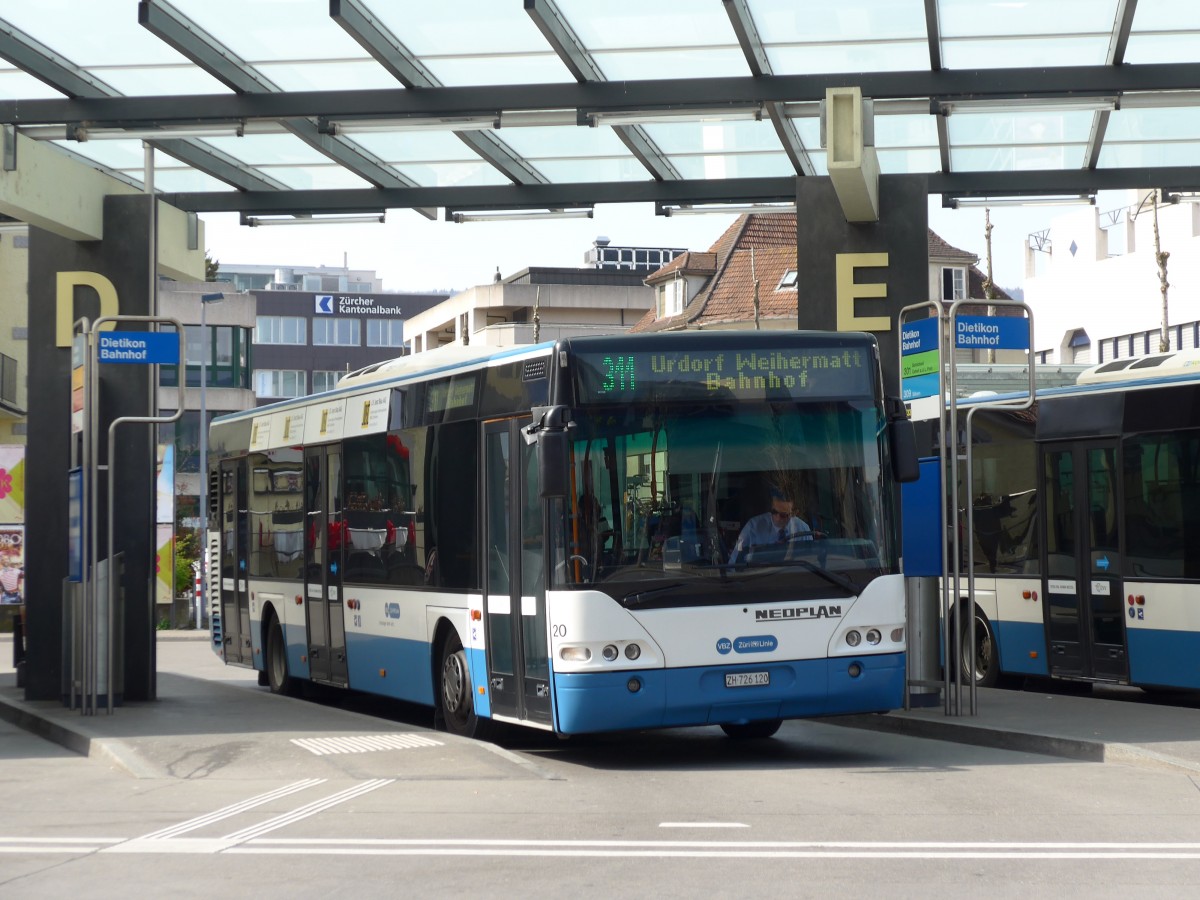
x: 365, y: 743
x: 54, y: 844
x: 307, y: 810
x: 232, y: 810
x: 702, y: 825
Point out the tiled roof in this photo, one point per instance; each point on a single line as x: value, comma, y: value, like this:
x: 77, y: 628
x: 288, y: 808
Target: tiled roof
x: 939, y: 249
x: 762, y: 247
x: 729, y: 293
x: 692, y: 262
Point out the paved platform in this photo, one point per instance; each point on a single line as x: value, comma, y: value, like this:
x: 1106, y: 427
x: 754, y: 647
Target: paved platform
x: 203, y: 724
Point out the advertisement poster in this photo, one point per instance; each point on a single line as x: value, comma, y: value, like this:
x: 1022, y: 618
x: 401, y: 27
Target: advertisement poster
x: 12, y: 484
x: 164, y: 564
x: 12, y: 565
x: 165, y: 484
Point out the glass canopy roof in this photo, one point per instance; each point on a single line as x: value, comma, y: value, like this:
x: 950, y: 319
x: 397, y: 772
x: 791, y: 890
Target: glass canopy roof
x: 337, y: 106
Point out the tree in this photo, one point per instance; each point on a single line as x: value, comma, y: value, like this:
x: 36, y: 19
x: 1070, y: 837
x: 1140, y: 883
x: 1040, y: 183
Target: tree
x: 210, y: 268
x: 187, y: 551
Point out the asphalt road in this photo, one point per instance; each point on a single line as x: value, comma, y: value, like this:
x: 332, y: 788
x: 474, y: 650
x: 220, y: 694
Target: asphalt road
x: 818, y: 811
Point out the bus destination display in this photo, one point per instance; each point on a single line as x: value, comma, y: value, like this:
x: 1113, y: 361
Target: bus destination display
x: 774, y: 374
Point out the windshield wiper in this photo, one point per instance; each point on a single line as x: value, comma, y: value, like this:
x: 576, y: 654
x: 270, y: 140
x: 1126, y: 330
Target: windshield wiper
x: 640, y: 597
x: 835, y: 578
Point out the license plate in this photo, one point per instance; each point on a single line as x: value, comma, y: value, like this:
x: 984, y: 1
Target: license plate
x: 746, y: 679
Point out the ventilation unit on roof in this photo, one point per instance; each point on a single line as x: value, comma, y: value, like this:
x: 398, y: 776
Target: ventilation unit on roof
x: 1134, y: 368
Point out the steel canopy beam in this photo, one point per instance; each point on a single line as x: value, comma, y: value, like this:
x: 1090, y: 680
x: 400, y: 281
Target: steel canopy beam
x: 61, y: 74
x: 1122, y: 25
x: 933, y: 32
x: 730, y: 190
x: 493, y: 197
x: 390, y: 53
x: 561, y: 36
x: 173, y: 28
x: 760, y: 64
x: 608, y: 96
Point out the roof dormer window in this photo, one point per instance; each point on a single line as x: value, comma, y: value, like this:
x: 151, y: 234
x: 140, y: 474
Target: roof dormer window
x: 788, y: 281
x: 671, y: 296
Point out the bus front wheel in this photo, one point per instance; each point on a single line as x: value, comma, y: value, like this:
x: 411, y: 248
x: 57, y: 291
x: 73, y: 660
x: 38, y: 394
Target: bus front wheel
x: 456, y: 702
x: 747, y: 731
x: 985, y: 653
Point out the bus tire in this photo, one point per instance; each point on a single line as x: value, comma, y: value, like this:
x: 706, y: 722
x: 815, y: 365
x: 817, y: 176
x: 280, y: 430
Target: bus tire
x: 278, y: 679
x: 749, y: 731
x: 456, y: 700
x: 986, y: 652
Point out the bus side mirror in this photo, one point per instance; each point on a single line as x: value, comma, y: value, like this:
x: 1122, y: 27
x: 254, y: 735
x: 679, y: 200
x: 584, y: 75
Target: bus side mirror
x: 552, y: 461
x: 549, y: 429
x: 902, y: 440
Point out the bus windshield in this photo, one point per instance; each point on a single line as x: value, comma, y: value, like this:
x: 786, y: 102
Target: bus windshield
x: 672, y: 504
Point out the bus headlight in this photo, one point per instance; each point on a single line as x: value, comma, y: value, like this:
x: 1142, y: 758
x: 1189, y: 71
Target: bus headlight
x: 575, y: 654
x: 632, y: 651
x: 610, y: 652
x: 873, y: 636
x: 853, y: 638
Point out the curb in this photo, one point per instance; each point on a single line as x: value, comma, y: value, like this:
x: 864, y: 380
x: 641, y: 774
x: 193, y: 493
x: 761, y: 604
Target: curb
x: 1019, y: 741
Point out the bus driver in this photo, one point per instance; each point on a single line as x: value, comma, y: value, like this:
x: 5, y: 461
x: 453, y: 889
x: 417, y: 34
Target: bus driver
x: 778, y: 525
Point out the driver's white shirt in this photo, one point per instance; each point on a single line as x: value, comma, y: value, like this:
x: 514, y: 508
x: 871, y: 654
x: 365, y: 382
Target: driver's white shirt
x: 761, y: 529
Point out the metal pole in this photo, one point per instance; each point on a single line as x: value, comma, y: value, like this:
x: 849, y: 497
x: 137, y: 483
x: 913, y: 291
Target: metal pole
x: 206, y: 349
x: 203, y: 577
x: 111, y: 471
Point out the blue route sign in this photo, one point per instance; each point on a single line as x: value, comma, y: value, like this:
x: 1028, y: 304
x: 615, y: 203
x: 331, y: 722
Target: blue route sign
x: 991, y: 333
x: 919, y: 375
x: 138, y: 347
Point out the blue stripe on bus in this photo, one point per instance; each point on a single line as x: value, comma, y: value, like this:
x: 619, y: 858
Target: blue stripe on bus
x: 602, y: 701
x: 477, y: 666
x: 404, y: 662
x: 1165, y: 658
x: 296, y: 638
x: 1016, y: 640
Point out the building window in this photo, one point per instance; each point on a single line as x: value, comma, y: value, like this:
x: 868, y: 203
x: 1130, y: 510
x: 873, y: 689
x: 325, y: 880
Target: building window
x: 325, y: 380
x: 226, y: 358
x: 788, y: 281
x: 671, y: 296
x: 8, y: 378
x: 954, y: 283
x: 385, y: 332
x: 335, y: 332
x: 280, y: 330
x: 279, y: 383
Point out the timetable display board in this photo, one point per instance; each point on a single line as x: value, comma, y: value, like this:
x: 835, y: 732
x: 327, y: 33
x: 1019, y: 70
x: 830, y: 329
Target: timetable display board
x: 628, y: 375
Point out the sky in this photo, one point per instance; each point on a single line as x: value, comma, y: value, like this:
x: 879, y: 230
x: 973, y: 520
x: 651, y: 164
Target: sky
x: 412, y: 253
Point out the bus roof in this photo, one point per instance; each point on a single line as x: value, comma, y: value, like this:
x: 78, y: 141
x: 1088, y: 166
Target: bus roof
x: 402, y: 369
x: 1136, y: 368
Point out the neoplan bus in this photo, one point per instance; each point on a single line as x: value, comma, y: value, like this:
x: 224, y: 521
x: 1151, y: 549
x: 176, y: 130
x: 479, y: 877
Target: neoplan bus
x: 1087, y: 530
x: 543, y: 535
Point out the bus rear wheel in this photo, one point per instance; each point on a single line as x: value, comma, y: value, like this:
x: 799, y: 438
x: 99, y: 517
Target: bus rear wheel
x: 278, y: 679
x: 985, y: 653
x: 749, y: 731
x: 456, y: 701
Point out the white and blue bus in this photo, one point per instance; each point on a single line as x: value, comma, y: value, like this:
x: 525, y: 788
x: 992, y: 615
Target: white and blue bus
x: 545, y: 535
x: 1087, y: 530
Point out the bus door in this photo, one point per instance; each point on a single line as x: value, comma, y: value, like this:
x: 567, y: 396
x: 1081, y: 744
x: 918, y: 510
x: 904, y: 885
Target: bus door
x: 235, y: 552
x: 515, y: 586
x: 1083, y: 588
x: 325, y: 534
